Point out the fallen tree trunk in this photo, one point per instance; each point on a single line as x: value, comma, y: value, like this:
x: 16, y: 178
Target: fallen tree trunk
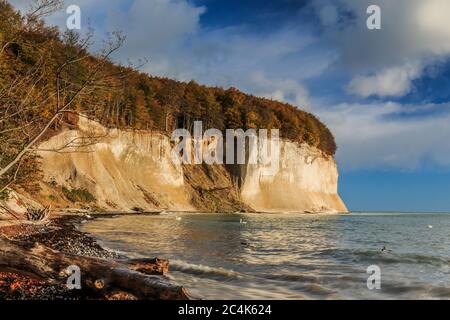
x: 102, y: 276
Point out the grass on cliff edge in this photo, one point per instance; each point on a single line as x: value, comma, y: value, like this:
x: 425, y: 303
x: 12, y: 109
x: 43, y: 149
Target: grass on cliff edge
x: 78, y: 195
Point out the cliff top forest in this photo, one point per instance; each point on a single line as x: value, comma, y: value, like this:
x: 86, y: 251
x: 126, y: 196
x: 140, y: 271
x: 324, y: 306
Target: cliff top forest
x: 44, y: 74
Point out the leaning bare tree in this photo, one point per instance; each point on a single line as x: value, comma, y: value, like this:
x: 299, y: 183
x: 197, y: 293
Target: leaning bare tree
x: 52, y: 76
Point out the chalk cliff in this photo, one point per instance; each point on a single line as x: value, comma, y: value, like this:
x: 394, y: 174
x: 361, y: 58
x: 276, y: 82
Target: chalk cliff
x: 133, y: 170
x: 306, y: 181
x: 121, y: 169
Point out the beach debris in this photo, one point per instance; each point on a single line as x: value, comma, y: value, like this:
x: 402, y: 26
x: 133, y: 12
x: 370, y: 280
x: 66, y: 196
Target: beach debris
x: 149, y: 266
x: 120, y: 296
x: 242, y: 221
x: 178, y: 218
x: 99, y: 284
x: 430, y: 226
x: 99, y: 275
x: 37, y: 215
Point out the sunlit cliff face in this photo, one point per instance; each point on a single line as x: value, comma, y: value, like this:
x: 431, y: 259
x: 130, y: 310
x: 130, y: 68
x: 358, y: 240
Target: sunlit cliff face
x: 122, y: 170
x: 134, y: 169
x: 306, y: 181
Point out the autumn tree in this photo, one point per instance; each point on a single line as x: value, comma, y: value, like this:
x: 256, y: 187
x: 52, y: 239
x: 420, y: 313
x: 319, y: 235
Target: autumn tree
x: 45, y: 74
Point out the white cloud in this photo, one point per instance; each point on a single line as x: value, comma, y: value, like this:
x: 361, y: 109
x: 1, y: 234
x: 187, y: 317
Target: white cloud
x: 228, y: 56
x: 285, y: 90
x: 414, y: 33
x: 433, y: 21
x: 392, y: 82
x: 374, y: 136
x: 154, y: 26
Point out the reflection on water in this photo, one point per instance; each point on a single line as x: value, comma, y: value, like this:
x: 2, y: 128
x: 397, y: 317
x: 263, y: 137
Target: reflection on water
x: 291, y: 256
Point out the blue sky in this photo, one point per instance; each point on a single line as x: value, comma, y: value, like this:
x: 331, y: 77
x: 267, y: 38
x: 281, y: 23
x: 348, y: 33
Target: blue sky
x: 385, y: 94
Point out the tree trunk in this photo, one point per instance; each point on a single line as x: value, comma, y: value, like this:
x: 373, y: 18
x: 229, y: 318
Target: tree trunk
x: 100, y: 275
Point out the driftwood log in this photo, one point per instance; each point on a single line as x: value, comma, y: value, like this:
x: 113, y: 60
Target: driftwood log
x: 103, y: 276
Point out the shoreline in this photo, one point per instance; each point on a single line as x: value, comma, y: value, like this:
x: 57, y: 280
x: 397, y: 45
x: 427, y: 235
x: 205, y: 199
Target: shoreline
x: 60, y: 234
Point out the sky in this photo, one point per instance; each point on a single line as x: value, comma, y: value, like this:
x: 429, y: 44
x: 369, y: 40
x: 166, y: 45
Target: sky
x: 385, y: 94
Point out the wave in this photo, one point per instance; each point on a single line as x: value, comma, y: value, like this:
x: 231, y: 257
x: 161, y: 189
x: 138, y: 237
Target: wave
x: 352, y: 256
x: 199, y: 270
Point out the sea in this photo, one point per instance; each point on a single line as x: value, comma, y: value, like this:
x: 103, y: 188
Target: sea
x: 291, y: 256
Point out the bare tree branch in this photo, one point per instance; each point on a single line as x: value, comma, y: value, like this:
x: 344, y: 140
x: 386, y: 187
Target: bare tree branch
x: 62, y: 108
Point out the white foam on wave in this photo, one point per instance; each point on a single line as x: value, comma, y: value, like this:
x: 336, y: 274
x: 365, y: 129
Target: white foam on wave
x: 198, y: 269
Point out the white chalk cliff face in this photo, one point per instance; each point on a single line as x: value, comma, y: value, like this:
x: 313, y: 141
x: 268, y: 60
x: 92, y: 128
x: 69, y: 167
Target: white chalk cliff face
x: 125, y: 169
x: 306, y: 181
x: 134, y: 169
